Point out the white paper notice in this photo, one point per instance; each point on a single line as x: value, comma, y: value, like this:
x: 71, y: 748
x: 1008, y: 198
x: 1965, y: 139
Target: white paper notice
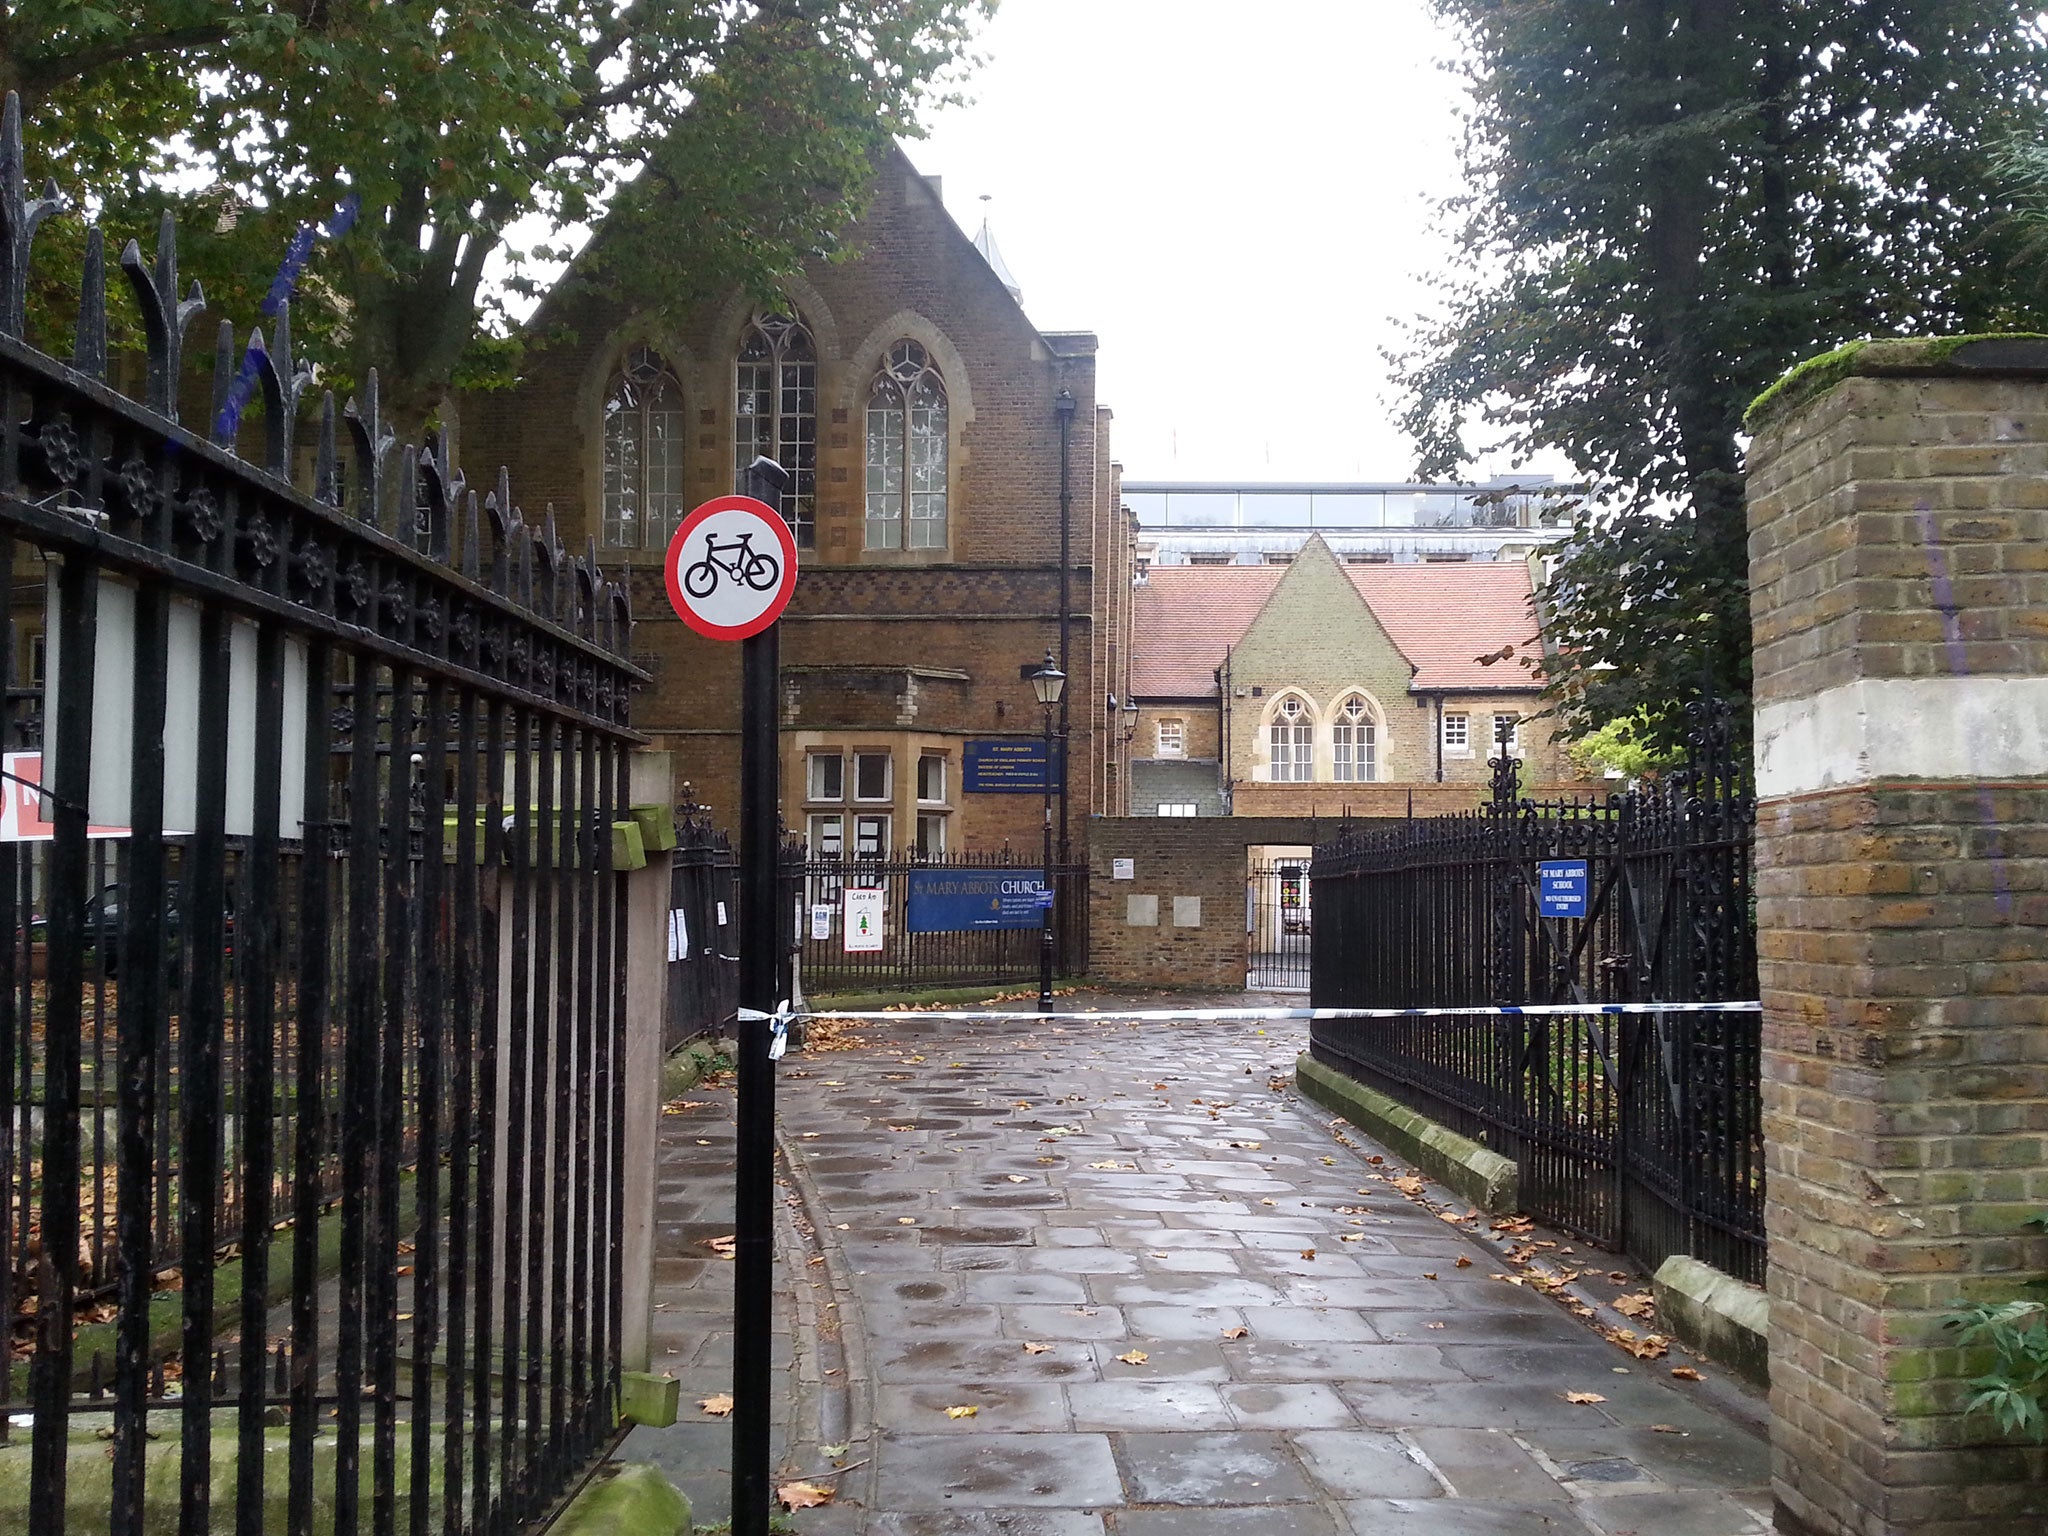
x: 1123, y: 869
x: 821, y: 922
x: 678, y: 935
x: 861, y: 929
x: 721, y: 914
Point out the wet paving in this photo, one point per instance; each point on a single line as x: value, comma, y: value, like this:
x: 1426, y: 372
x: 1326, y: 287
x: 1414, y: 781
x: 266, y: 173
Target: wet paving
x: 1174, y: 1302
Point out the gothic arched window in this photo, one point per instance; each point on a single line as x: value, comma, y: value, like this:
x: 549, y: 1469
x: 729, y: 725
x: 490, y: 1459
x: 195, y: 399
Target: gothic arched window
x: 1354, y: 742
x: 906, y: 478
x: 1293, y: 737
x: 643, y: 453
x: 775, y: 414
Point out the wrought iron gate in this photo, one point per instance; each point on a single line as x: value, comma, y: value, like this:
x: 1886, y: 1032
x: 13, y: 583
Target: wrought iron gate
x: 311, y: 952
x: 1277, y: 925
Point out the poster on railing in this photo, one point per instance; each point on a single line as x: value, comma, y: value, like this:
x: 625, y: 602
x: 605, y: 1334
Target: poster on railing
x: 861, y: 919
x: 960, y: 900
x: 22, y: 811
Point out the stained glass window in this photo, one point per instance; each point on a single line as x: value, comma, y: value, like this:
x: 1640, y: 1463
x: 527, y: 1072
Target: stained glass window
x: 906, y: 460
x: 643, y: 454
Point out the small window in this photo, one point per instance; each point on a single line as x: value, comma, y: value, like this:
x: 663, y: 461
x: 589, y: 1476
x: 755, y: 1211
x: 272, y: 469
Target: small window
x: 931, y: 780
x: 1457, y: 733
x: 871, y: 837
x: 38, y: 660
x: 871, y: 776
x: 1177, y: 808
x: 828, y: 776
x: 1368, y: 559
x: 1208, y: 559
x: 1293, y: 736
x: 1173, y: 738
x: 931, y: 834
x: 1280, y: 557
x: 828, y: 837
x: 1446, y: 559
x: 1512, y: 725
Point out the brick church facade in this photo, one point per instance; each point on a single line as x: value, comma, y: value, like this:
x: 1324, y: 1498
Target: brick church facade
x: 925, y: 420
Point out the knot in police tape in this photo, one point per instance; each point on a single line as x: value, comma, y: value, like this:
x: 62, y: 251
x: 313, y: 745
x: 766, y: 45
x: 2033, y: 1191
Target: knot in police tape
x: 778, y: 1026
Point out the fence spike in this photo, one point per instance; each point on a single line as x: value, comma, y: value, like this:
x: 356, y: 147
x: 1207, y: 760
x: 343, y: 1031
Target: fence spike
x: 89, y: 345
x: 471, y: 554
x: 226, y: 425
x: 373, y: 440
x: 326, y: 462
x: 20, y: 217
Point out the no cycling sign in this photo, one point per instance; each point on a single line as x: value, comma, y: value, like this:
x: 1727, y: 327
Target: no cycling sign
x: 731, y: 568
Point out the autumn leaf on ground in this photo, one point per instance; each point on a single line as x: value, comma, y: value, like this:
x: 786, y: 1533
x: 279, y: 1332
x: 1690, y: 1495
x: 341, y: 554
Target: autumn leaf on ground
x: 722, y: 1246
x: 1269, y: 1202
x: 1407, y: 1183
x: 1642, y: 1304
x: 1583, y: 1397
x: 1352, y: 1237
x: 1032, y: 1347
x: 1666, y: 1429
x: 962, y: 1411
x: 1376, y: 1160
x: 1685, y: 1373
x: 1432, y: 1325
x: 803, y: 1495
x: 1236, y: 1333
x: 1463, y: 1262
x: 1134, y: 1357
x: 835, y: 1451
x: 718, y: 1405
x: 1429, y: 1274
x: 906, y: 1221
x: 1110, y: 1164
x: 902, y: 1127
x: 1308, y: 1253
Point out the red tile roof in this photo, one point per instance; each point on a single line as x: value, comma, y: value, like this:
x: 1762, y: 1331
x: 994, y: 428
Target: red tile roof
x: 1185, y: 617
x: 1443, y: 617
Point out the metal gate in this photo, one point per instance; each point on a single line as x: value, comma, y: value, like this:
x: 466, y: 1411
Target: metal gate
x: 1276, y: 924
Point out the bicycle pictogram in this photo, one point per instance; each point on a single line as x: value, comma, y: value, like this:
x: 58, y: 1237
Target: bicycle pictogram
x: 737, y: 558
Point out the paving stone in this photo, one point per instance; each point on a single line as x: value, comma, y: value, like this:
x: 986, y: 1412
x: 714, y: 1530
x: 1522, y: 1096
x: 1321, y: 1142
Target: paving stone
x: 1238, y: 1468
x: 1174, y: 1359
x: 1316, y: 1324
x: 1006, y: 1522
x: 1041, y: 1322
x: 1206, y: 1323
x: 1463, y: 1517
x: 1026, y: 1290
x: 1160, y: 1405
x: 941, y: 1360
x: 1670, y: 1514
x: 1257, y: 1520
x: 1286, y: 1405
x: 1679, y: 1460
x: 1352, y: 1463
x: 995, y: 1471
x: 1002, y: 1405
x: 1486, y: 1464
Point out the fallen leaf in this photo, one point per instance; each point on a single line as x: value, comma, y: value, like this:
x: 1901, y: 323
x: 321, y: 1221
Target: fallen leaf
x: 1666, y: 1429
x: 906, y: 1221
x: 803, y: 1495
x: 1685, y: 1373
x: 1463, y: 1262
x: 718, y: 1405
x: 1032, y: 1347
x: 1016, y: 1178
x: 1269, y: 1202
x: 835, y: 1451
x: 902, y: 1127
x: 1641, y: 1304
x: 1583, y: 1397
x: 1359, y: 1237
x: 1429, y: 1274
x: 1135, y: 1357
x: 1407, y: 1183
x: 1110, y: 1164
x: 962, y: 1411
x: 722, y: 1246
x: 1236, y: 1333
x: 1432, y: 1325
x: 1308, y: 1253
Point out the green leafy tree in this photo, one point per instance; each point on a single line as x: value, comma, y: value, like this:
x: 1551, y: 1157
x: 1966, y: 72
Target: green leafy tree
x: 1671, y: 202
x: 479, y: 139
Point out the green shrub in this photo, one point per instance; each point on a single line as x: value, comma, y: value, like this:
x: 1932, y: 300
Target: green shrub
x: 2015, y: 1390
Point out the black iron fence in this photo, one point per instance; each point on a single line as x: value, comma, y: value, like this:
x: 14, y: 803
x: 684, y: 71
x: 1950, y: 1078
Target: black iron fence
x: 703, y: 948
x: 912, y: 893
x: 1642, y: 1131
x: 311, y: 954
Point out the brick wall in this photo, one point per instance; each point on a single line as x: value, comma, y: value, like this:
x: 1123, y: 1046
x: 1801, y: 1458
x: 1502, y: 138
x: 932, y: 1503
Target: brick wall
x: 1138, y: 935
x: 1899, y: 562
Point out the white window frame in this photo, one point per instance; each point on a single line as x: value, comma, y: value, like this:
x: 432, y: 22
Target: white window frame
x: 1295, y: 750
x: 933, y: 847
x: 862, y: 820
x: 1461, y: 744
x: 888, y: 793
x: 1514, y: 735
x: 828, y: 826
x: 1177, y: 808
x: 813, y: 774
x: 1354, y: 742
x: 1171, y: 739
x: 937, y: 760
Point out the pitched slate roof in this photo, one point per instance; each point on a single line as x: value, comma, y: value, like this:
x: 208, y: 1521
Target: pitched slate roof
x: 1444, y: 617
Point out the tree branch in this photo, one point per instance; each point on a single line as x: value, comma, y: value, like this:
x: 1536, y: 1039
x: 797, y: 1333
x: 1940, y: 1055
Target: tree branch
x: 40, y: 76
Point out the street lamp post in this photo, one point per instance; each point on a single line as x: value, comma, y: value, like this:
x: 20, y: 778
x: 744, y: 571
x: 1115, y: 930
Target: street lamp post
x: 1048, y: 682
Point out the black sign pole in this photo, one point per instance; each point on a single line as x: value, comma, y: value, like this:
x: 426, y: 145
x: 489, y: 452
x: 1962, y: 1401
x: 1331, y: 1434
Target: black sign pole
x: 753, y: 1307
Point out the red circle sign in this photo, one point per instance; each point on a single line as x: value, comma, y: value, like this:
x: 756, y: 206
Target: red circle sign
x: 731, y: 568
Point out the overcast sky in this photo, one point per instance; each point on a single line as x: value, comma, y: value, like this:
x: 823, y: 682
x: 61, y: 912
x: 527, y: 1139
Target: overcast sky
x: 1235, y: 200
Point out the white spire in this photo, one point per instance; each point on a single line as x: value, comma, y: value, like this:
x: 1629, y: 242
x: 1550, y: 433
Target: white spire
x: 985, y: 242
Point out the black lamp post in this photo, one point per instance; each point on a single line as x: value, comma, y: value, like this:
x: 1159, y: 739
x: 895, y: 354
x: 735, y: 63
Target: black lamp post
x: 1048, y: 682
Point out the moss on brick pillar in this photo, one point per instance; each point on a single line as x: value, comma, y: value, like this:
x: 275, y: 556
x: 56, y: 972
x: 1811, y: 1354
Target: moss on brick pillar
x: 1899, y: 580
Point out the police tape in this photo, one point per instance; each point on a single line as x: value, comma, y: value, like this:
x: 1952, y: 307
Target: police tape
x: 1229, y: 1015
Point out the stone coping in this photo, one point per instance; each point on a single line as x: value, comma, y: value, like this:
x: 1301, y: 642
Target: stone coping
x: 1488, y: 1180
x: 2016, y: 355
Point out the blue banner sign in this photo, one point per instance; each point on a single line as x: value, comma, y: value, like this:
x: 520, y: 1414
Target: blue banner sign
x: 955, y: 900
x: 1561, y: 887
x: 1007, y: 767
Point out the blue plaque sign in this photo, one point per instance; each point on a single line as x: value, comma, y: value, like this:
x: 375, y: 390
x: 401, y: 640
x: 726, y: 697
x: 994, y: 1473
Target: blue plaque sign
x: 1561, y: 887
x: 1007, y: 767
x: 956, y: 900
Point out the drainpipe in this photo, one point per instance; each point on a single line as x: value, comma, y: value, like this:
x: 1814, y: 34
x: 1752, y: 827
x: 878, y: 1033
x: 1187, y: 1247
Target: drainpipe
x: 1063, y: 408
x: 1223, y: 729
x: 1439, y: 738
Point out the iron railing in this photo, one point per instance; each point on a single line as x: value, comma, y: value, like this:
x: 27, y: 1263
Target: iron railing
x: 311, y: 953
x: 1640, y: 1131
x: 703, y: 970
x: 814, y: 890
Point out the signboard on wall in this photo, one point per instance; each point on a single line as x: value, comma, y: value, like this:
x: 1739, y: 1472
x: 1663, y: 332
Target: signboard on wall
x: 957, y: 900
x: 1008, y: 766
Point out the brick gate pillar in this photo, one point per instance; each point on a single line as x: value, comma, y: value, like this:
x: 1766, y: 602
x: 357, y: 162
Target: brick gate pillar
x: 1899, y: 565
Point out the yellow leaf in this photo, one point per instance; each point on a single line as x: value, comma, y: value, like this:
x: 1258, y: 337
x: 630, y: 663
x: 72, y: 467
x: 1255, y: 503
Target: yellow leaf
x: 1584, y: 1397
x: 962, y: 1411
x: 1269, y: 1202
x: 1463, y: 1262
x: 906, y: 1221
x: 1432, y: 1325
x: 1135, y: 1357
x: 1032, y: 1347
x: 1016, y: 1178
x: 1685, y: 1373
x: 803, y: 1495
x: 1352, y: 1237
x: 1102, y: 1165
x: 718, y: 1406
x: 1236, y: 1333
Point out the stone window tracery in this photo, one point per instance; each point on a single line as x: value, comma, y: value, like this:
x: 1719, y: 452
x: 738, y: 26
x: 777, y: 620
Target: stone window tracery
x: 775, y: 414
x: 1354, y: 742
x: 906, y: 452
x: 1292, y: 735
x: 643, y: 453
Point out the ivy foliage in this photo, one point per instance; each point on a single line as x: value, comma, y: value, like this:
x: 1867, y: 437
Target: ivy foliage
x: 478, y: 140
x: 1670, y: 203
